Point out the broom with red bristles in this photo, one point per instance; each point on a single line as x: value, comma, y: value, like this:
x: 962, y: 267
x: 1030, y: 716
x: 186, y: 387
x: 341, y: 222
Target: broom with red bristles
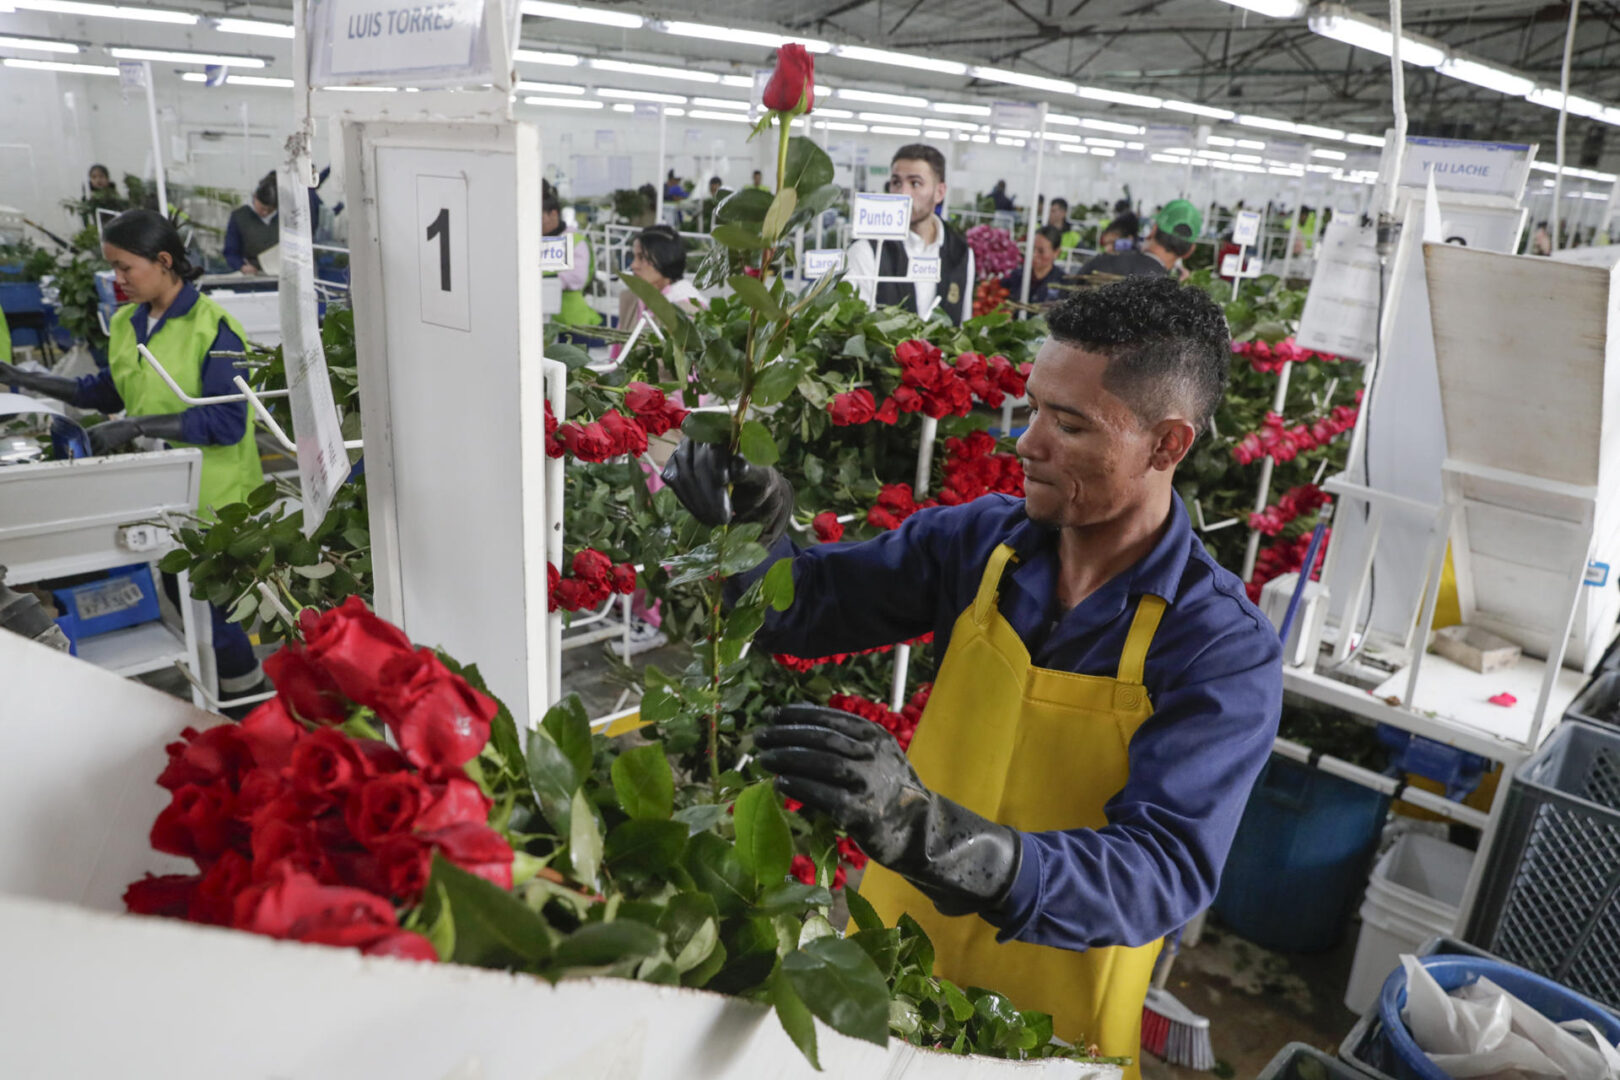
x: 1170, y: 1030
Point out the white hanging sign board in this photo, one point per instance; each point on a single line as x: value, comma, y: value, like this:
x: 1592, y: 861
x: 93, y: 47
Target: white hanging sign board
x: 131, y: 75
x: 1249, y: 268
x: 878, y: 216
x: 439, y: 43
x: 1481, y: 168
x: 823, y: 262
x: 1015, y: 116
x: 1246, y: 229
x: 923, y: 268
x: 1341, y: 309
x: 557, y: 253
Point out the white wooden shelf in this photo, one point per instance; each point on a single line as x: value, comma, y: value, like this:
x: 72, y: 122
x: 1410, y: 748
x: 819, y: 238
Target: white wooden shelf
x: 135, y: 650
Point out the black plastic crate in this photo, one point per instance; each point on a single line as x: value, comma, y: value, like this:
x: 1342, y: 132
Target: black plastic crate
x: 1599, y: 702
x: 1551, y: 896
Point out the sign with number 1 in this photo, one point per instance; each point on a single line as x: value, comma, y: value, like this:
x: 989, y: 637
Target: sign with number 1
x: 441, y: 205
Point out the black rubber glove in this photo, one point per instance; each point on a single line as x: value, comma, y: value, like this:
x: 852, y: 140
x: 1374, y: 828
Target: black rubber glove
x: 854, y: 772
x: 699, y: 474
x: 112, y: 434
x: 52, y: 386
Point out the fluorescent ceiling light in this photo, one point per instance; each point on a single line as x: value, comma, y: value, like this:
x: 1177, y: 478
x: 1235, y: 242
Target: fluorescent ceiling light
x: 38, y: 45
x: 1120, y: 97
x: 534, y: 56
x: 1248, y: 144
x: 362, y: 89
x: 721, y: 103
x: 1100, y: 151
x: 1491, y: 78
x: 641, y: 95
x: 1276, y: 9
x: 1289, y: 126
x: 624, y: 106
x: 957, y: 125
x: 254, y: 27
x: 563, y: 103
x: 1111, y: 125
x: 1061, y: 137
x: 980, y: 138
x: 957, y: 109
x: 1001, y: 140
x: 1097, y: 140
x: 241, y: 80
x: 1355, y: 30
x: 905, y: 101
x: 654, y: 71
x: 833, y: 125
x: 1200, y: 110
x: 1068, y: 149
x: 911, y: 133
x: 1330, y: 155
x: 1364, y: 140
x: 704, y: 114
x: 895, y: 59
x: 1329, y: 169
x: 60, y: 65
x: 892, y: 118
x: 1219, y: 155
x: 1135, y: 146
x: 1250, y: 159
x: 1018, y: 78
x: 737, y: 80
x: 733, y: 36
x: 1552, y: 99
x: 1570, y: 170
x: 1167, y: 159
x: 936, y: 134
x: 170, y: 56
x: 1221, y: 140
x: 832, y: 114
x: 542, y: 9
x: 105, y: 11
x: 550, y: 87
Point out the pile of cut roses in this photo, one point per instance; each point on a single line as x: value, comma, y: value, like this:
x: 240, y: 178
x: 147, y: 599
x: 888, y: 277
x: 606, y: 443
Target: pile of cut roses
x: 594, y: 579
x: 933, y: 387
x: 303, y: 822
x: 614, y: 434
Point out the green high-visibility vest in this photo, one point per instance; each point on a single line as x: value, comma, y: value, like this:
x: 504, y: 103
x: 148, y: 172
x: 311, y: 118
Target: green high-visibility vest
x: 574, y: 310
x: 1070, y: 239
x: 5, y: 340
x: 181, y: 345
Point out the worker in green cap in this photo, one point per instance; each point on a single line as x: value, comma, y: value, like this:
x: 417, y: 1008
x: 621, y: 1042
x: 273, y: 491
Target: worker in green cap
x: 1175, y: 227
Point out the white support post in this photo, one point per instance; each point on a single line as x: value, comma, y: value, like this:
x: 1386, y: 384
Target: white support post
x: 658, y: 197
x: 1252, y: 551
x: 157, y: 139
x: 919, y: 489
x: 557, y: 396
x: 1029, y: 241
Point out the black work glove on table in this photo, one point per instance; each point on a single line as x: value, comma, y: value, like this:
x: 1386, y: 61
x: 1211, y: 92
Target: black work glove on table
x: 854, y: 772
x: 112, y: 434
x: 59, y: 387
x: 700, y: 473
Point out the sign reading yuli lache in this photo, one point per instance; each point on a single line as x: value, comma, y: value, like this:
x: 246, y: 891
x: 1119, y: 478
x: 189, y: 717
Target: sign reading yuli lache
x: 1482, y: 168
x: 880, y: 216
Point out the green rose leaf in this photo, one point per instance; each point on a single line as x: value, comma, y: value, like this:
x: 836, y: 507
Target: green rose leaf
x: 746, y: 207
x: 707, y: 427
x: 644, y: 784
x: 570, y: 729
x: 794, y: 897
x: 600, y: 944
x: 175, y: 561
x: 758, y: 298
x: 764, y: 841
x: 716, y: 869
x: 492, y: 927
x: 776, y: 218
x: 795, y: 1016
x: 738, y: 238
x: 553, y: 778
x: 883, y: 946
x: 775, y: 383
x: 861, y: 911
x: 645, y: 847
x: 778, y: 586
x: 584, y: 840
x: 757, y: 445
x: 838, y: 982
x: 808, y: 166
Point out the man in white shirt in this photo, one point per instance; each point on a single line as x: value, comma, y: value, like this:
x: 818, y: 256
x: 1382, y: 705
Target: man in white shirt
x: 917, y: 170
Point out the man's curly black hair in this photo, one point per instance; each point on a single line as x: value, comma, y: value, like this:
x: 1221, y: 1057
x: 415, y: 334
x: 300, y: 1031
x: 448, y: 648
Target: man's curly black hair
x: 1167, y: 345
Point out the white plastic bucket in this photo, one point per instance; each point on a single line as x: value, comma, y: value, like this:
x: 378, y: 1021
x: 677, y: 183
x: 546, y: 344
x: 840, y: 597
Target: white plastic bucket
x: 1414, y: 894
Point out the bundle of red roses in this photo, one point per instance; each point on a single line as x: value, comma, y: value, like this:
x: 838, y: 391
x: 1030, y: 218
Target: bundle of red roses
x: 932, y: 387
x: 1285, y: 557
x: 594, y: 579
x: 902, y: 725
x: 301, y: 830
x: 973, y: 468
x: 895, y: 503
x: 795, y: 663
x: 1273, y: 519
x: 828, y: 529
x: 613, y: 434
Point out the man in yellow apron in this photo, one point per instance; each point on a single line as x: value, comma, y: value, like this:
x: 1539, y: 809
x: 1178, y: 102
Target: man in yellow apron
x: 1107, y: 694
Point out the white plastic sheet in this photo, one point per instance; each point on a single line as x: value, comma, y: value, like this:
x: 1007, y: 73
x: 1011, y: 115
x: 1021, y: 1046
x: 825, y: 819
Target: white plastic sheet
x: 1482, y: 1031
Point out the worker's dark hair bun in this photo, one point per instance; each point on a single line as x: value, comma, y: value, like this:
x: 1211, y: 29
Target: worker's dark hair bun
x: 149, y: 234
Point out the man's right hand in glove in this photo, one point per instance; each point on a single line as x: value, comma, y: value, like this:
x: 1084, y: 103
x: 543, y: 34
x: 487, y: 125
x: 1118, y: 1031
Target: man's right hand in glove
x: 52, y: 386
x: 700, y: 475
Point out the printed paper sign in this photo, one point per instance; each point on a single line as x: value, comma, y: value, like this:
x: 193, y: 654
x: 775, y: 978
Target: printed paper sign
x: 1246, y: 229
x: 441, y: 210
x: 880, y: 216
x: 375, y: 38
x: 1483, y: 168
x: 923, y: 268
x: 1015, y: 116
x: 556, y: 253
x: 821, y: 263
x: 1230, y: 267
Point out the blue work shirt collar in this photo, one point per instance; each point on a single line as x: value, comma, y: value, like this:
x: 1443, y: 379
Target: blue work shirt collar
x: 1035, y: 578
x: 183, y: 303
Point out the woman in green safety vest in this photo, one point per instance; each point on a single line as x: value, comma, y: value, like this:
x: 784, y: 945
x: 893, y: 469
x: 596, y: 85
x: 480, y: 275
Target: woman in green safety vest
x: 198, y: 344
x: 574, y: 310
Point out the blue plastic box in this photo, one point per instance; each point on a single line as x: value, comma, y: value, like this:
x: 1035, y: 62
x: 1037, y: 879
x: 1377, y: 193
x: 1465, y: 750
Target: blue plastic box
x: 125, y: 597
x: 1458, y: 770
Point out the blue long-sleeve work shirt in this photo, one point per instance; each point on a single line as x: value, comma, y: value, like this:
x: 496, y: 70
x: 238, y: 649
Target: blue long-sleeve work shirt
x: 220, y: 425
x: 1213, y: 674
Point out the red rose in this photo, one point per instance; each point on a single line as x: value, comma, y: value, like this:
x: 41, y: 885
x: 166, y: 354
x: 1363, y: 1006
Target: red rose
x: 170, y: 895
x: 888, y: 412
x: 458, y: 801
x: 641, y: 398
x: 839, y: 877
x: 972, y: 365
x: 384, y: 806
x: 477, y: 849
x: 879, y: 518
x: 849, y: 851
x: 829, y: 530
x: 220, y: 886
x: 404, y: 864
x: 296, y: 847
x: 574, y: 595
x: 804, y: 869
x: 792, y: 88
x: 897, y: 497
x: 196, y: 822
x: 907, y: 399
x: 628, y: 436
x: 853, y: 408
x: 624, y: 579
x: 591, y: 565
x: 298, y: 907
x: 551, y: 421
x: 553, y: 579
x: 792, y: 806
x: 304, y: 688
x: 270, y: 733
x: 403, y: 945
x: 439, y: 720
x: 217, y: 755
x: 324, y: 764
x: 916, y: 351
x: 352, y: 645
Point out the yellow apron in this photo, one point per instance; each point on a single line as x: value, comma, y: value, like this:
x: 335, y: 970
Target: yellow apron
x: 1039, y: 750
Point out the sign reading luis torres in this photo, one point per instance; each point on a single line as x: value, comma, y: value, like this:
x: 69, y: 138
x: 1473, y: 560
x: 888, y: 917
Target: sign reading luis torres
x: 371, y: 37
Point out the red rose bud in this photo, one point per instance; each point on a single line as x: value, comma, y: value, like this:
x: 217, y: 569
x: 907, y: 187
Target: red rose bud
x: 352, y: 645
x: 879, y: 518
x: 642, y: 398
x: 793, y: 83
x: 591, y: 565
x: 852, y: 408
x: 751, y: 271
x: 300, y: 908
x: 439, y: 720
x: 217, y: 755
x: 829, y: 530
x: 907, y: 399
x: 196, y: 822
x: 170, y: 895
x: 384, y: 806
x: 551, y: 421
x: 888, y: 412
x: 458, y: 801
x: 305, y: 688
x: 628, y: 436
x: 803, y: 869
x: 624, y: 579
x: 216, y: 895
x: 403, y: 945
x: 477, y: 849
x: 553, y: 580
x: 792, y: 806
x: 295, y: 847
x: 849, y: 851
x: 404, y: 864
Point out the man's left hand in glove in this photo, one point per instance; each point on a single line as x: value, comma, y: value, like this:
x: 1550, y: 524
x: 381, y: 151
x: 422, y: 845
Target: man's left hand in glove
x: 854, y: 772
x: 112, y: 434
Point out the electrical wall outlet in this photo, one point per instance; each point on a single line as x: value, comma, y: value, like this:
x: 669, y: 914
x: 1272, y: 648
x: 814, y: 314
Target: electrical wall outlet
x: 142, y: 537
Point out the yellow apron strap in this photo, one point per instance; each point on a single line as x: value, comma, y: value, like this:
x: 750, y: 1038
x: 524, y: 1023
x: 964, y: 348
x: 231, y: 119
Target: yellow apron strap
x: 1132, y: 660
x: 984, y: 604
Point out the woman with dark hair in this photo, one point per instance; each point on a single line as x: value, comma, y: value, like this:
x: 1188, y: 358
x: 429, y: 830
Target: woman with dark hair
x: 999, y: 198
x: 253, y: 230
x: 658, y: 257
x: 102, y: 194
x: 572, y: 307
x: 1043, y: 271
x: 197, y: 342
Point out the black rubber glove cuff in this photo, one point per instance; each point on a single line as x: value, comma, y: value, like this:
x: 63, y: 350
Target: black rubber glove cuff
x: 112, y: 434
x: 52, y: 386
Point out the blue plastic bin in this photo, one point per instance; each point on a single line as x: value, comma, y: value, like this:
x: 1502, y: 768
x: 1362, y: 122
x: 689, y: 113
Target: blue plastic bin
x: 123, y: 598
x: 1300, y: 858
x: 1458, y: 770
x: 1557, y: 1003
